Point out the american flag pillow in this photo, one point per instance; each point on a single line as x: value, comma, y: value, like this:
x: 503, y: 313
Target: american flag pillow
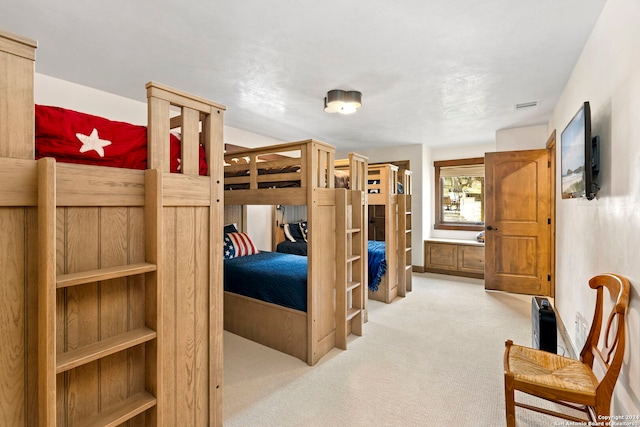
x: 229, y: 250
x: 242, y: 244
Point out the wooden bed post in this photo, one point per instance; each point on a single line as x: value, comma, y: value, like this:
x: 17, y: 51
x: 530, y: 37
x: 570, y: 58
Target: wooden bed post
x: 17, y: 65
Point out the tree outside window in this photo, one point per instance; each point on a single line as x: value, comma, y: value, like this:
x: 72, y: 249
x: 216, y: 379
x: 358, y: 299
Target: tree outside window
x: 459, y: 194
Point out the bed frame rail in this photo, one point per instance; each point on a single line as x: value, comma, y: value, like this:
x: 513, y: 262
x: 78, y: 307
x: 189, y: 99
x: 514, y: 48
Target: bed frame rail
x: 304, y: 165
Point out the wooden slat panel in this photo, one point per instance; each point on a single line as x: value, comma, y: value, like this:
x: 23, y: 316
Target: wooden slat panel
x: 16, y: 96
x: 31, y: 286
x: 82, y: 311
x: 325, y: 197
x: 190, y: 164
x: 158, y: 148
x: 12, y: 317
x: 185, y: 316
x: 136, y: 315
x: 270, y: 196
x: 83, y: 185
x: 201, y: 236
x: 168, y: 399
x: 113, y: 381
x: 183, y: 190
x: 285, y: 329
x: 18, y: 182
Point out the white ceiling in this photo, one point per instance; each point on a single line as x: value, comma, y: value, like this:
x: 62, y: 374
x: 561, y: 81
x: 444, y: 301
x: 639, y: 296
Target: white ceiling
x: 434, y: 72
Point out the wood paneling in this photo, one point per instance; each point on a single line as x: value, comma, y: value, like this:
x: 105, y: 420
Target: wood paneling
x: 459, y: 258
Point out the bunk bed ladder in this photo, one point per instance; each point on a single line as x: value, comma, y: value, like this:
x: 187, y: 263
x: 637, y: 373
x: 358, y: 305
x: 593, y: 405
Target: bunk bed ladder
x: 404, y: 234
x: 53, y: 361
x: 350, y: 242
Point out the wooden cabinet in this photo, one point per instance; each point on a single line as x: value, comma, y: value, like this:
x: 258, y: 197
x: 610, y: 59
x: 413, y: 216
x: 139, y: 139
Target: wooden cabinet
x: 455, y: 257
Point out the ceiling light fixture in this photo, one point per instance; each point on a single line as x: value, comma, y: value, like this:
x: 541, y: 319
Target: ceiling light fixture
x: 343, y: 102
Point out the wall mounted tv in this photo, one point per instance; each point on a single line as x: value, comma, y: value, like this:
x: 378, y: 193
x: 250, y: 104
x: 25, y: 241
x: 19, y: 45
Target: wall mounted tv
x: 580, y: 157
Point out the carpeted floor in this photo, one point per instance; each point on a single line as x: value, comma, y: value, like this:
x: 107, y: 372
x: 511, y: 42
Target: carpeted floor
x: 431, y: 358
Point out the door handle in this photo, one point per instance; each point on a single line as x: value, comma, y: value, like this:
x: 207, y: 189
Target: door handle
x: 491, y: 228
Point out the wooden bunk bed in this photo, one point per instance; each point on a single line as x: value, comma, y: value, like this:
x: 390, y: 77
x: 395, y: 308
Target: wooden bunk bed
x: 306, y: 170
x: 351, y: 232
x: 392, y: 209
x: 112, y: 298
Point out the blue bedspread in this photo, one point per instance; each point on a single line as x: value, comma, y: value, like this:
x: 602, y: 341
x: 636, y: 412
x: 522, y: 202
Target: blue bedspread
x: 377, y: 263
x: 269, y: 276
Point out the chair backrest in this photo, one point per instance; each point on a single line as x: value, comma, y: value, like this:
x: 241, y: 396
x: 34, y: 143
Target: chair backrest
x: 608, y: 351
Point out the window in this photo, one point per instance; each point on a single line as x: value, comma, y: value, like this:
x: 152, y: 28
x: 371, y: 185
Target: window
x: 459, y: 194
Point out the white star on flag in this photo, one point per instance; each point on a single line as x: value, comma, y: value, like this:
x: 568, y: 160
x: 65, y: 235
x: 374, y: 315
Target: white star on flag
x: 93, y: 142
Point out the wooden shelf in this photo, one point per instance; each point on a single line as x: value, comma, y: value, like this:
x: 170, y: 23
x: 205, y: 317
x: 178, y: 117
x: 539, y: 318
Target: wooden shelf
x: 74, y: 279
x: 122, y: 412
x: 89, y: 353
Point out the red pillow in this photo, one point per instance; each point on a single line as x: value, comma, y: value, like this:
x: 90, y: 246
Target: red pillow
x: 74, y: 137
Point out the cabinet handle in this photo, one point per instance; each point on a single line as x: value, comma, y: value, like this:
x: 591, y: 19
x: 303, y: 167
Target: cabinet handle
x: 491, y: 228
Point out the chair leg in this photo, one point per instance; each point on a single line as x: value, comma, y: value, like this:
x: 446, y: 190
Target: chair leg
x: 602, y: 408
x: 509, y: 400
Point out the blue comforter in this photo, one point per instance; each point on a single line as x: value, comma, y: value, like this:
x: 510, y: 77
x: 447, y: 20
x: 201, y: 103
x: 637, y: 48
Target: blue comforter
x: 269, y: 276
x: 377, y: 263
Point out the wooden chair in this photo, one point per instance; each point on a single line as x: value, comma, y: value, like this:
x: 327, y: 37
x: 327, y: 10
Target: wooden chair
x: 569, y: 382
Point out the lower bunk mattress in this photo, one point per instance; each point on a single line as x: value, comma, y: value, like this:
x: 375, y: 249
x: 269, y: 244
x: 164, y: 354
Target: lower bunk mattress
x: 272, y: 277
x: 377, y: 262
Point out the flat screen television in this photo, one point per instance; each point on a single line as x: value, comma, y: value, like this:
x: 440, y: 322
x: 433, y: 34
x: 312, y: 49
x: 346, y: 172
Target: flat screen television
x: 579, y: 156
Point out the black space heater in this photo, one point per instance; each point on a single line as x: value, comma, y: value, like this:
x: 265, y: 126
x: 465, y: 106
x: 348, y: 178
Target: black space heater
x: 544, y: 330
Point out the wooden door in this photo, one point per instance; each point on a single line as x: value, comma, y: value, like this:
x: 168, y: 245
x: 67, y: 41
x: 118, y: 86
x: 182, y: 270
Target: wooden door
x: 517, y: 219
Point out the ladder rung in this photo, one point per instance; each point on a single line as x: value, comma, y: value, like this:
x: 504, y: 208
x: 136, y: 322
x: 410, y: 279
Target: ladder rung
x: 89, y: 353
x: 352, y: 285
x: 74, y: 279
x: 353, y: 312
x: 123, y: 411
x: 353, y: 258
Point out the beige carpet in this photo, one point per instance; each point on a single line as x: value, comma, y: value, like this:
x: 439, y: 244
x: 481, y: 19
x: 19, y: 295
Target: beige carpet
x: 431, y: 358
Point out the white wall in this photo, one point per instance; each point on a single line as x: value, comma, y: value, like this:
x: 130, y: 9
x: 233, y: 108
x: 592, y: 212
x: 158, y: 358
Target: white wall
x: 524, y: 138
x: 602, y: 235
